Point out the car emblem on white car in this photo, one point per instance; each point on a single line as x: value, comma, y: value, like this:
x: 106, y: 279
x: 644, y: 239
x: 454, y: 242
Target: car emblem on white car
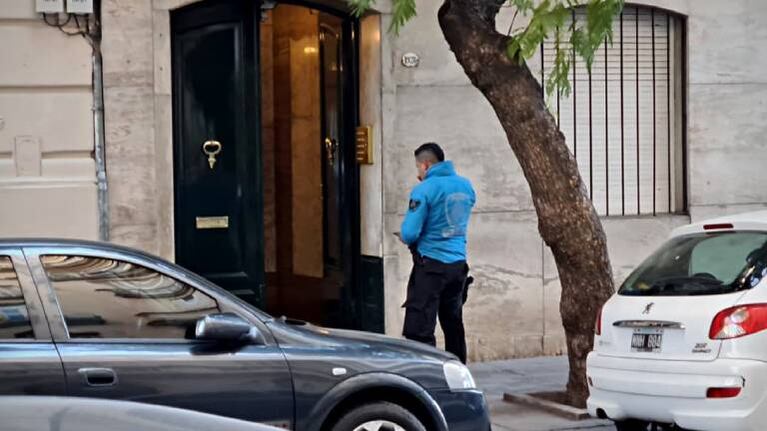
x: 647, y: 308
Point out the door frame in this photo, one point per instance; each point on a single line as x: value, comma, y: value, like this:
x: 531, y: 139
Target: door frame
x: 352, y: 296
x: 351, y: 181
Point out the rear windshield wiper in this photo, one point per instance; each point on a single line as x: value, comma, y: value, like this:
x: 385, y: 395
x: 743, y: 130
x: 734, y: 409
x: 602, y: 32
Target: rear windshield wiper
x: 681, y: 285
x: 675, y: 281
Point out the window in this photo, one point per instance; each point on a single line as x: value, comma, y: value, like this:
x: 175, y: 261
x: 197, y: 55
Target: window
x: 103, y: 298
x: 624, y: 121
x: 702, y: 264
x: 14, y: 317
x: 725, y: 256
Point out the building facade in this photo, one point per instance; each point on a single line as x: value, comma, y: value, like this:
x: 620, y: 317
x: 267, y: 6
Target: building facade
x: 229, y: 147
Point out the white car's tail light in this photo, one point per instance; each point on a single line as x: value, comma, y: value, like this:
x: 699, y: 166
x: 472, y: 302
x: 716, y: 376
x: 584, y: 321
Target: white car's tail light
x: 739, y: 321
x: 722, y: 392
x: 598, y: 324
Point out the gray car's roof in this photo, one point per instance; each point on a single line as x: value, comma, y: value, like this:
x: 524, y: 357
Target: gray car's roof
x: 120, y: 249
x: 80, y: 243
x: 32, y: 413
x: 65, y: 242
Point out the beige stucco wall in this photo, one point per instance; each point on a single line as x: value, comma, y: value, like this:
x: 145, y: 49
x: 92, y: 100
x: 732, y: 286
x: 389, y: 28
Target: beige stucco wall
x: 139, y: 154
x: 47, y: 171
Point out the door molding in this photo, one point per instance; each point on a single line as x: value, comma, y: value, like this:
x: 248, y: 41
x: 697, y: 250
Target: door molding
x: 139, y: 115
x: 159, y: 238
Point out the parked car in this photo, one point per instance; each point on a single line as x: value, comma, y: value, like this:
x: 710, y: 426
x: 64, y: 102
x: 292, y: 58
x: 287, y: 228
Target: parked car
x: 682, y: 342
x: 25, y: 413
x: 98, y: 320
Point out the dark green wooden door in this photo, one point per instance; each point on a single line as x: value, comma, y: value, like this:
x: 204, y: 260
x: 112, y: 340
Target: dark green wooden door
x: 218, y: 208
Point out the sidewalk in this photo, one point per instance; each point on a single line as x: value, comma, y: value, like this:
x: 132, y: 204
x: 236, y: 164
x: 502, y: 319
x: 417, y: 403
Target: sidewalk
x: 521, y: 376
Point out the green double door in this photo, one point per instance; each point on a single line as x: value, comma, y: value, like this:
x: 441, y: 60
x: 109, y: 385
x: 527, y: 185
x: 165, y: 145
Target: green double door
x: 218, y: 166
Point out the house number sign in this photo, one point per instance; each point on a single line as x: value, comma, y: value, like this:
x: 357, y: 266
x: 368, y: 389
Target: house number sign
x: 410, y: 59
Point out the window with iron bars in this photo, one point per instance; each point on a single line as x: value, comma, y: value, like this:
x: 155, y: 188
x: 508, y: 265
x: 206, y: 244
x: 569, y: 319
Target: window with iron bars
x: 624, y: 121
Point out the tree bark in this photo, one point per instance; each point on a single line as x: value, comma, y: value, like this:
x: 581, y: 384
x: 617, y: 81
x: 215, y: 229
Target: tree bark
x: 567, y: 221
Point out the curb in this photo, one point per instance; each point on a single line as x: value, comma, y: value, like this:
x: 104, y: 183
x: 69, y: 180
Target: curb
x: 561, y: 410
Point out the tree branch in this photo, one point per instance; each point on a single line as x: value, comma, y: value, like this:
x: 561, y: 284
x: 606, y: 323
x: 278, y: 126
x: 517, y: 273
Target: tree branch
x: 514, y: 18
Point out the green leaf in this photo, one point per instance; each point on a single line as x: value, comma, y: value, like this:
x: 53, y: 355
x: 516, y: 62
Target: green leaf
x: 523, y: 6
x: 402, y: 12
x: 546, y: 17
x: 597, y: 29
x: 559, y: 77
x: 359, y: 7
x: 513, y: 50
x: 552, y: 19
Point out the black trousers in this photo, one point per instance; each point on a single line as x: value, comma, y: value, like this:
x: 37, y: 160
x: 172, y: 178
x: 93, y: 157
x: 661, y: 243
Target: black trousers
x: 436, y: 289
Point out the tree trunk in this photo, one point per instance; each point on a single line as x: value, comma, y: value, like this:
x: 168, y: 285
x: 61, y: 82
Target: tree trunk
x: 567, y: 220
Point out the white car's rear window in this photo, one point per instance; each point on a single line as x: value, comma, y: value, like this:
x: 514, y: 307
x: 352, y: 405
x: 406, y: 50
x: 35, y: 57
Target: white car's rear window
x: 701, y: 264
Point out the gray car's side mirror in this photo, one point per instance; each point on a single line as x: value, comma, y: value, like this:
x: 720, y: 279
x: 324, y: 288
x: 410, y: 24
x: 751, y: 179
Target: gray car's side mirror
x: 225, y: 327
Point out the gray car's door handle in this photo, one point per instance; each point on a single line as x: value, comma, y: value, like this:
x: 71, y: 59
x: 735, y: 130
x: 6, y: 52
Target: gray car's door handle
x: 98, y: 376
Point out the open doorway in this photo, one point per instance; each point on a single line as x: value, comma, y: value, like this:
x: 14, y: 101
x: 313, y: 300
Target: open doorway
x: 306, y: 114
x: 266, y: 185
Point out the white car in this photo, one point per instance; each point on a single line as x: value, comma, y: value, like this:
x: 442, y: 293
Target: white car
x: 683, y: 342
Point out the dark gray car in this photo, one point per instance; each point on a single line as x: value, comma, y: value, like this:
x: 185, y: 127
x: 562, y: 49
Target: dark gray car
x: 97, y: 320
x: 86, y: 414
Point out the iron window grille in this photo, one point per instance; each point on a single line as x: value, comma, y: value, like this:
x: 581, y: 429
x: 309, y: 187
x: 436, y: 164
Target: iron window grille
x: 624, y: 122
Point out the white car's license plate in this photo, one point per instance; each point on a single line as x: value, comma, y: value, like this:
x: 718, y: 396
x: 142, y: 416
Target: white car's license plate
x: 647, y: 340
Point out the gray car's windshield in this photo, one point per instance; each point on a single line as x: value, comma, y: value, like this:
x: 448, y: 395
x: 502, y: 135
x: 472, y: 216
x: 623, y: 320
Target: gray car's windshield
x: 701, y: 264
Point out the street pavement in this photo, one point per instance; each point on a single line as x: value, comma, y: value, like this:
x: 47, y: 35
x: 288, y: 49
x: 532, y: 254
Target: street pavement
x: 523, y: 376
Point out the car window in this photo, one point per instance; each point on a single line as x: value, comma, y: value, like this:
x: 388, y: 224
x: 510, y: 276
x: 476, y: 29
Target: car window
x: 702, y: 264
x: 14, y: 316
x: 105, y: 298
x: 725, y: 256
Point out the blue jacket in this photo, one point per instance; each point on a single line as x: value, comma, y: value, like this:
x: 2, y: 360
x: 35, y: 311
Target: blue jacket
x: 438, y: 214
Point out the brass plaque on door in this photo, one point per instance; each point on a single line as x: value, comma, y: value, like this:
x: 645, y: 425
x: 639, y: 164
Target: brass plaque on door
x: 363, y: 142
x: 220, y: 222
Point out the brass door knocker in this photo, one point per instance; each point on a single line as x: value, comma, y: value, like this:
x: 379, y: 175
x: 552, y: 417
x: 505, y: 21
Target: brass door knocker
x: 211, y: 149
x: 330, y: 150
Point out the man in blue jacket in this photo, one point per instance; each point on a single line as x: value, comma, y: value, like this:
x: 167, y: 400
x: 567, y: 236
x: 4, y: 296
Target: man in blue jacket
x: 435, y: 230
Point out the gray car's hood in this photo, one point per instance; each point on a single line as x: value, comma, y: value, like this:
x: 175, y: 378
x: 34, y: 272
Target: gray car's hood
x: 299, y: 333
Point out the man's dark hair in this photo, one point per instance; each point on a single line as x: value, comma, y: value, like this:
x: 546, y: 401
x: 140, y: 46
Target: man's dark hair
x: 430, y: 152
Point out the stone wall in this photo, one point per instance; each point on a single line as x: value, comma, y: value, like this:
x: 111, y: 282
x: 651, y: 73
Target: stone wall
x: 514, y: 305
x: 727, y: 93
x: 137, y: 98
x: 47, y: 171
